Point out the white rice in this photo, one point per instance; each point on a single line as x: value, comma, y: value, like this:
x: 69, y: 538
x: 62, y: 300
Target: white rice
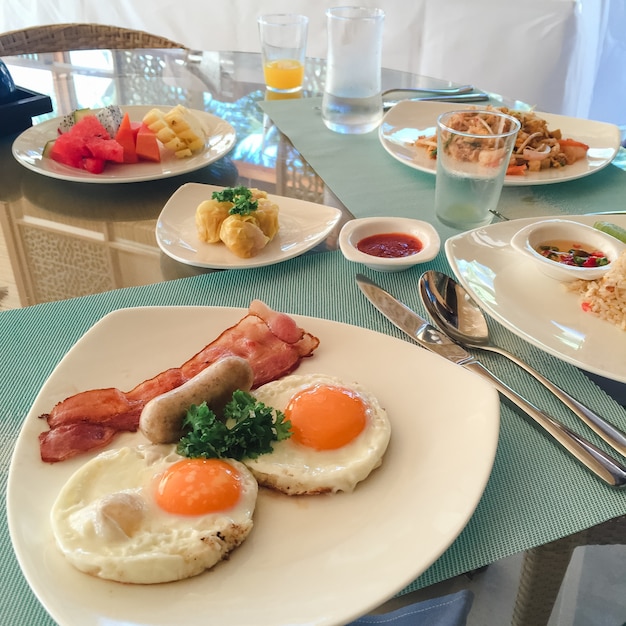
x: 606, y: 297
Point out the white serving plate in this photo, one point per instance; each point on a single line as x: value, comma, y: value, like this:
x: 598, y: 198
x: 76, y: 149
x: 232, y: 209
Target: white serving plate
x: 28, y: 150
x: 406, y: 121
x: 302, y: 226
x: 514, y: 291
x: 320, y: 560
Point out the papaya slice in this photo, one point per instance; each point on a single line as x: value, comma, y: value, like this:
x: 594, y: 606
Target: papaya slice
x: 126, y: 137
x: 147, y: 145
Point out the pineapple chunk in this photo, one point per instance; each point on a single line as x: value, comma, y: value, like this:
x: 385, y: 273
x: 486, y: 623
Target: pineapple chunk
x: 183, y: 154
x: 154, y: 117
x: 174, y: 143
x: 178, y: 130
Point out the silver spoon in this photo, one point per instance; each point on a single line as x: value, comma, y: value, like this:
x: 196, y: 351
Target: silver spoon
x: 461, y: 318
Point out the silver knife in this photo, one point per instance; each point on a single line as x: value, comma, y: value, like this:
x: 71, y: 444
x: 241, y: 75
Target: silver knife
x: 427, y: 336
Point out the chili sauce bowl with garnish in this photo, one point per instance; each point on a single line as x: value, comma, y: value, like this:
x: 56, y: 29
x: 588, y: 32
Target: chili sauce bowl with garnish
x: 566, y: 250
x: 389, y: 244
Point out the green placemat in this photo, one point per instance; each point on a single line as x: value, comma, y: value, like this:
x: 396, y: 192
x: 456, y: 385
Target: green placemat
x: 371, y: 182
x: 536, y: 492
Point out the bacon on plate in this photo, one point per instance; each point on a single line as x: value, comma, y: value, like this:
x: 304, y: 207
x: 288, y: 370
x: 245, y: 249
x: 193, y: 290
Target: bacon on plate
x: 270, y: 341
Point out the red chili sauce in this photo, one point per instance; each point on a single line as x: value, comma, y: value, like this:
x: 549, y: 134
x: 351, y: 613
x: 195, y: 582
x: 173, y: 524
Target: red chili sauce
x: 390, y: 245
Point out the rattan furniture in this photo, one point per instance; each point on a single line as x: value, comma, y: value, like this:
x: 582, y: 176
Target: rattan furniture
x: 544, y: 567
x: 63, y: 37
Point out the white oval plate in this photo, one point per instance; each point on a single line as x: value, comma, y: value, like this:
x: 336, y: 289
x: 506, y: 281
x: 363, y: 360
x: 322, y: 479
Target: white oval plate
x: 302, y: 226
x: 537, y: 308
x: 28, y: 150
x: 319, y: 560
x: 406, y: 121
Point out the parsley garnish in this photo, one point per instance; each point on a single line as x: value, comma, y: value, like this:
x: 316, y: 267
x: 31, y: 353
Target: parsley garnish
x: 241, y: 197
x: 249, y: 429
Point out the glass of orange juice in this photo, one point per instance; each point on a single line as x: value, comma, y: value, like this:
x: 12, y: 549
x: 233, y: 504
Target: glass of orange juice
x: 283, y: 48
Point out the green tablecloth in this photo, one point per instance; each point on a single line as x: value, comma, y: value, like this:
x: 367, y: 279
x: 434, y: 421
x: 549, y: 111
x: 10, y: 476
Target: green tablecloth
x: 536, y: 493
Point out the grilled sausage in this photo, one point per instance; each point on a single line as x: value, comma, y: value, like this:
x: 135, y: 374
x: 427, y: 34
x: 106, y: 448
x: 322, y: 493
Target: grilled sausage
x: 162, y: 417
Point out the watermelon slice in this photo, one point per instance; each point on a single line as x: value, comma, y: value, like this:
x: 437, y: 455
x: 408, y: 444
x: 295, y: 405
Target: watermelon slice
x: 147, y: 145
x: 87, y: 145
x: 69, y: 150
x: 89, y: 126
x: 93, y: 165
x: 126, y: 136
x: 106, y: 149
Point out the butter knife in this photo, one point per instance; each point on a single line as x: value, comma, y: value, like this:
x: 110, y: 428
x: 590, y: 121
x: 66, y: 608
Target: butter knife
x: 593, y: 458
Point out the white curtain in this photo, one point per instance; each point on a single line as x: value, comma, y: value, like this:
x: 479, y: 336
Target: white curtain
x: 597, y: 83
x: 563, y: 56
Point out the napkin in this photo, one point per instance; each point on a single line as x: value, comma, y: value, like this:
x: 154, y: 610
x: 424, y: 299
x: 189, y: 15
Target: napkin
x: 450, y: 610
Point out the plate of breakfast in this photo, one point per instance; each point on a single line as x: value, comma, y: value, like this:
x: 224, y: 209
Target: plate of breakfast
x: 197, y: 229
x: 408, y: 134
x: 555, y: 316
x: 106, y: 534
x: 148, y: 146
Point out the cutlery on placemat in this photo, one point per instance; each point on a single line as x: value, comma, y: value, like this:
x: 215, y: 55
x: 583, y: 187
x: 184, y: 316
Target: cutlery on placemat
x: 441, y: 90
x: 453, y: 97
x: 596, y: 460
x: 454, y: 311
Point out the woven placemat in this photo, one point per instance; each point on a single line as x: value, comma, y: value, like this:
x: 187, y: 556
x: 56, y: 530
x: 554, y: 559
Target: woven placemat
x: 536, y: 492
x: 370, y: 182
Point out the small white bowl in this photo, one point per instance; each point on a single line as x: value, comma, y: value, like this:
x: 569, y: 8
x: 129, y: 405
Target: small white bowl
x: 358, y: 229
x: 528, y: 238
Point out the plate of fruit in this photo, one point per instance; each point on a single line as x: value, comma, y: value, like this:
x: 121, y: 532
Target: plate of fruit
x: 124, y: 144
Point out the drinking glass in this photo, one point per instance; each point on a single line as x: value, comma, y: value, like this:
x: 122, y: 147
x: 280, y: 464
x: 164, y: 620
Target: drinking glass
x: 352, y: 101
x: 283, y: 48
x: 474, y: 148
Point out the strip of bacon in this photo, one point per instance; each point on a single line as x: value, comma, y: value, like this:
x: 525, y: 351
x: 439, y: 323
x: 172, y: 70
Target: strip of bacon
x: 68, y: 440
x: 271, y: 342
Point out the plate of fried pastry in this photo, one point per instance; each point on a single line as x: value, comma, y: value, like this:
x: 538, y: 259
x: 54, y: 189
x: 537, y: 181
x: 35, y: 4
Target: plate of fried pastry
x: 239, y: 227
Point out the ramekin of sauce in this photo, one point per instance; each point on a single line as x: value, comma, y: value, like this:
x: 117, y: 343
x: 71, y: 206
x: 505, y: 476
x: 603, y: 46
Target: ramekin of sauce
x: 567, y: 250
x: 389, y: 244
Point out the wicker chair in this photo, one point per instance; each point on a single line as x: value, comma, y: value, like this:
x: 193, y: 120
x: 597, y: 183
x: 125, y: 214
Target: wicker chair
x: 64, y: 37
x: 544, y: 567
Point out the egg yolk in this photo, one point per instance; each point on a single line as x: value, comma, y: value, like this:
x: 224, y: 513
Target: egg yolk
x: 325, y: 417
x: 198, y: 487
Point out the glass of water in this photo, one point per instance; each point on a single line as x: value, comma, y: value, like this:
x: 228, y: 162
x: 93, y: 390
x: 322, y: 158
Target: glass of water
x: 352, y: 101
x: 474, y: 149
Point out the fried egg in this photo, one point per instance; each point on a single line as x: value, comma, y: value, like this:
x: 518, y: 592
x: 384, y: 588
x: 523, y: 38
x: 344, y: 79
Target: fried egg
x: 339, y: 435
x: 145, y: 514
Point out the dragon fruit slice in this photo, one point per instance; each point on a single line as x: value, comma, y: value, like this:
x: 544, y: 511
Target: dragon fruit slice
x: 111, y: 118
x: 67, y: 121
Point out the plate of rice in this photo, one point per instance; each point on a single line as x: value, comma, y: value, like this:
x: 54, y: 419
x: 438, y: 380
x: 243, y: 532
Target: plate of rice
x: 605, y: 297
x: 582, y: 323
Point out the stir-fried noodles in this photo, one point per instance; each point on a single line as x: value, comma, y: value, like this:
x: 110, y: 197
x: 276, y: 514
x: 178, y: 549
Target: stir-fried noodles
x: 536, y: 146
